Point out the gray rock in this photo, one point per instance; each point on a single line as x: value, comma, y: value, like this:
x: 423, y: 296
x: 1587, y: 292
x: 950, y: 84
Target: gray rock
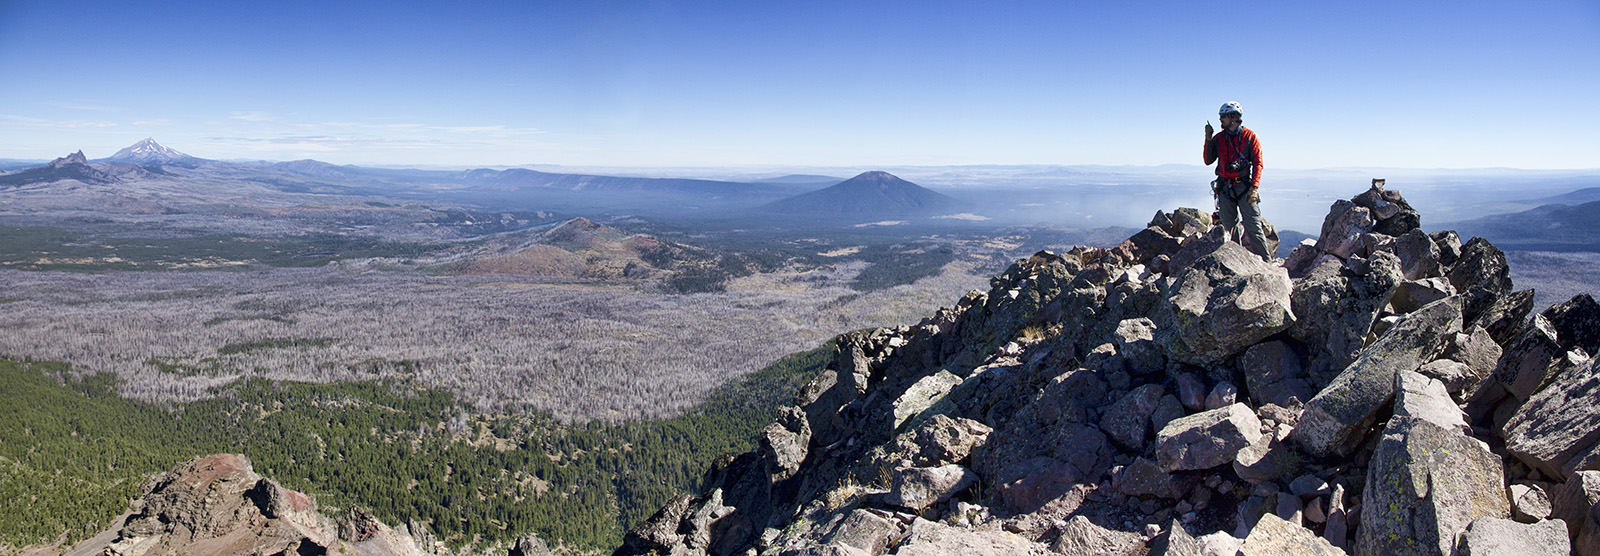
x: 1208, y: 439
x: 1302, y: 258
x: 1413, y: 294
x: 1426, y: 483
x: 1449, y: 245
x: 929, y: 538
x: 942, y: 440
x: 1419, y: 257
x: 1456, y: 376
x: 1342, y: 228
x: 1228, y: 301
x: 1222, y: 395
x: 1175, y: 541
x: 1577, y: 323
x: 916, y: 488
x: 1306, y: 486
x: 1502, y: 537
x: 1082, y: 536
x: 1420, y: 397
x: 1577, y: 502
x: 1335, y: 309
x: 1526, y: 365
x: 1504, y: 314
x: 1167, y: 410
x: 1135, y: 339
x: 1558, y: 430
x: 1196, y: 248
x: 1335, y: 421
x: 1273, y: 536
x: 1145, y: 478
x: 925, y: 398
x: 1373, y: 200
x: 1475, y: 348
x: 530, y: 545
x: 1481, y: 265
x: 1038, y: 482
x: 1266, y: 459
x: 1191, y: 391
x: 864, y: 530
x: 1127, y: 420
x: 1529, y: 502
x: 1273, y: 374
x: 784, y: 443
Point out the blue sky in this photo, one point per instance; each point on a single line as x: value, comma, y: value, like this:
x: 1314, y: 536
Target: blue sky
x: 818, y: 83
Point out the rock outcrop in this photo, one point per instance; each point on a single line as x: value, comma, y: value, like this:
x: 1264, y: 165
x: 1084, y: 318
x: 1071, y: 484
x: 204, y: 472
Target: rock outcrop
x: 218, y: 505
x: 1379, y: 391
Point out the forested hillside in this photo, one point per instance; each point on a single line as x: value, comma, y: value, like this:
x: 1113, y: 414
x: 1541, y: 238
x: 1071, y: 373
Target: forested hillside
x: 76, y: 453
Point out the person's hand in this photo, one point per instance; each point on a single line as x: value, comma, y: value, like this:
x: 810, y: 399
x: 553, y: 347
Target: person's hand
x: 1209, y: 131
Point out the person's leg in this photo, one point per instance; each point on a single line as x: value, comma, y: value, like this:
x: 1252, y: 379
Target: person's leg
x: 1230, y: 214
x: 1255, y: 237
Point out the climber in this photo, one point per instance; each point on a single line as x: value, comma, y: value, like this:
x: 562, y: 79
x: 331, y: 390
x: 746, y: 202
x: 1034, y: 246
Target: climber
x: 1237, y: 154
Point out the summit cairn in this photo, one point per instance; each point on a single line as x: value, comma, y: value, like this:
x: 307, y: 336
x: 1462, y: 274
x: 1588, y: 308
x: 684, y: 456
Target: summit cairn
x: 1380, y: 391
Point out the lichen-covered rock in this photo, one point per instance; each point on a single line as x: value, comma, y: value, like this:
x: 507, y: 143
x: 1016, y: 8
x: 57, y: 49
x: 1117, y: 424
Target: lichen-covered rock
x: 1413, y: 294
x: 1419, y: 256
x: 1577, y: 323
x: 1426, y: 482
x: 1135, y: 340
x: 1144, y: 478
x: 1207, y: 439
x: 1336, y: 419
x: 1080, y: 535
x: 1228, y: 301
x: 1502, y: 537
x: 1558, y: 430
x: 1481, y: 265
x: 785, y: 442
x: 1525, y: 366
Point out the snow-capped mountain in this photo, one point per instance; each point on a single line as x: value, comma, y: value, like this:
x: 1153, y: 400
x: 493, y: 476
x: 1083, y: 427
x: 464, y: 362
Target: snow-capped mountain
x: 150, y: 153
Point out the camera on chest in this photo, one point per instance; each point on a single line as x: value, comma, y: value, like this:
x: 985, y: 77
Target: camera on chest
x: 1238, y: 165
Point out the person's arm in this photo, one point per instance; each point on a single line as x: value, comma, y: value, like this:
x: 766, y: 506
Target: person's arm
x: 1209, y: 153
x: 1255, y: 160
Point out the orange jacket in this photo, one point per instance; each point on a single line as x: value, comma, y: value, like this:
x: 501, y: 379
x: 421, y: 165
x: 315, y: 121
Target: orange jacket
x: 1223, y: 148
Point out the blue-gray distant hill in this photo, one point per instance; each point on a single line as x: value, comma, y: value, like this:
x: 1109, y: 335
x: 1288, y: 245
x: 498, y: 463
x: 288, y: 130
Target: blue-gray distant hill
x: 871, y: 194
x: 1553, y: 227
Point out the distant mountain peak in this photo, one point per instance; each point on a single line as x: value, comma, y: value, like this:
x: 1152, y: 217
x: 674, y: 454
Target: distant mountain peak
x: 74, y: 158
x: 870, y: 194
x: 148, y: 152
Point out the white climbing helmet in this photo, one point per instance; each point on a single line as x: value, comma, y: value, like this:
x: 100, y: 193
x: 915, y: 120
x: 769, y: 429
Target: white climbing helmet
x: 1231, y: 108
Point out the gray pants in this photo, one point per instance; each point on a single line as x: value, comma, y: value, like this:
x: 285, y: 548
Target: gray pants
x: 1238, y: 200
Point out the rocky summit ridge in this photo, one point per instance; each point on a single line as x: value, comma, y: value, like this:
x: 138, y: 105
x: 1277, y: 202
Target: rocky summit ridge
x: 1381, y: 391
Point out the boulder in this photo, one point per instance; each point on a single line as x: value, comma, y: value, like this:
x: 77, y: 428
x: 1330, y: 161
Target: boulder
x: 1577, y: 323
x: 1475, y: 348
x: 865, y: 531
x: 1577, y: 503
x: 1228, y: 301
x: 1336, y: 419
x: 1128, y: 419
x: 1147, y: 244
x: 530, y: 545
x: 1208, y: 439
x: 1273, y: 536
x: 1145, y: 478
x: 1081, y: 536
x: 1449, y: 244
x: 1037, y: 482
x: 1425, y: 482
x: 1273, y: 374
x: 1481, y: 265
x: 916, y: 488
x: 1558, y: 430
x: 785, y: 442
x: 1335, y: 309
x: 1419, y: 257
x: 929, y: 538
x: 1222, y: 395
x: 1342, y: 228
x: 1456, y: 376
x: 1266, y: 459
x: 1135, y: 340
x: 1373, y: 200
x: 1414, y: 293
x: 1503, y: 315
x: 1502, y: 537
x: 1175, y: 541
x: 1168, y: 409
x: 1197, y: 248
x: 1191, y: 391
x: 942, y: 440
x: 1529, y: 502
x: 1527, y: 361
x: 1302, y: 258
